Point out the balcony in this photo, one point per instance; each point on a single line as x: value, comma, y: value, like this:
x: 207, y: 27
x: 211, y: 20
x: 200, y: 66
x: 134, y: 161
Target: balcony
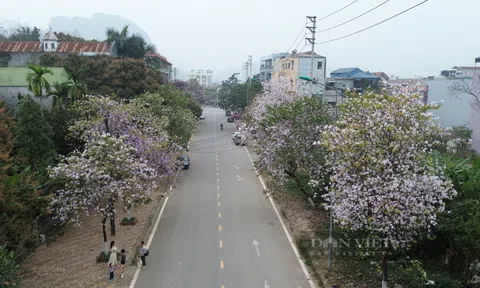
x: 265, y: 68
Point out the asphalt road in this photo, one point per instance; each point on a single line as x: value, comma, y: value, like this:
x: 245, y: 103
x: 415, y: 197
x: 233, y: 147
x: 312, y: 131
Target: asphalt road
x: 212, y: 220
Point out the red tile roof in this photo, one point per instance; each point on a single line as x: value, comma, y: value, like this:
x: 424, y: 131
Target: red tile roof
x: 20, y: 46
x: 155, y: 55
x: 64, y: 47
x: 78, y: 47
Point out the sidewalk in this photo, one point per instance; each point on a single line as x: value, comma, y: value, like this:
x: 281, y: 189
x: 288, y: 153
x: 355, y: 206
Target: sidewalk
x: 70, y: 261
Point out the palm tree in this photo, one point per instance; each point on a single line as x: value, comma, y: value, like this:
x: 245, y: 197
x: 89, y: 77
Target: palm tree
x: 75, y: 86
x: 119, y: 37
x: 60, y: 95
x: 37, y: 81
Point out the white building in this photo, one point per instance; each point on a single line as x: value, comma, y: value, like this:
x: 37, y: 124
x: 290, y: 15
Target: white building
x: 204, y: 77
x: 475, y: 110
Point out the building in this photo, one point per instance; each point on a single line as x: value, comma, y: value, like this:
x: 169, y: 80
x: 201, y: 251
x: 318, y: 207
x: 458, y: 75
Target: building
x: 13, y: 82
x: 160, y: 63
x: 21, y: 53
x: 266, y: 65
x: 204, y: 77
x: 299, y: 64
x: 383, y: 76
x: 354, y: 78
x: 475, y: 110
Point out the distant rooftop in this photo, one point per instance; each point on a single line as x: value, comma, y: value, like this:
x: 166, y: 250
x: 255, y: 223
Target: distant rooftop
x: 50, y: 35
x: 343, y: 70
x: 308, y: 53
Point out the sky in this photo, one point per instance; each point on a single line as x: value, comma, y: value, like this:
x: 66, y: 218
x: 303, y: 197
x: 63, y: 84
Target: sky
x: 220, y: 34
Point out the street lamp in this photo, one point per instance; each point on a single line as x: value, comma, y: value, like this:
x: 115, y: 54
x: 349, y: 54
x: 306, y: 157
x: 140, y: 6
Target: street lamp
x: 330, y: 230
x: 217, y: 93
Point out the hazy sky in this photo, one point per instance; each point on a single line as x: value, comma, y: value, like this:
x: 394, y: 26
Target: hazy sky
x: 220, y: 34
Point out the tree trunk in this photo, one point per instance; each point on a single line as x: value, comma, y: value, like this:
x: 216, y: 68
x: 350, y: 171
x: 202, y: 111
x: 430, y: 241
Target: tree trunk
x: 129, y: 215
x: 112, y: 218
x: 105, y: 245
x: 384, y: 270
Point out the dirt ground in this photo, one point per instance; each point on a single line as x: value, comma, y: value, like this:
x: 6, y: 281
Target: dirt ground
x: 70, y: 261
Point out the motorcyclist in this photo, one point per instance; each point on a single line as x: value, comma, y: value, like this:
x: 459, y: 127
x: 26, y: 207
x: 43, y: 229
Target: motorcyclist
x: 221, y: 126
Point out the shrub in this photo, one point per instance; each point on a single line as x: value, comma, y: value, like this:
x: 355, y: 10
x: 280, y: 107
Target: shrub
x: 8, y: 268
x: 131, y: 221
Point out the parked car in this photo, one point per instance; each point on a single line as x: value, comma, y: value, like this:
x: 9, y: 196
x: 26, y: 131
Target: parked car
x: 228, y: 113
x: 184, y: 161
x: 235, y: 134
x: 202, y: 117
x: 239, y: 139
x: 230, y: 119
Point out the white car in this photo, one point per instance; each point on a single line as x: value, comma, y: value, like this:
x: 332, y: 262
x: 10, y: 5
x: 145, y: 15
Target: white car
x: 235, y: 134
x: 202, y: 117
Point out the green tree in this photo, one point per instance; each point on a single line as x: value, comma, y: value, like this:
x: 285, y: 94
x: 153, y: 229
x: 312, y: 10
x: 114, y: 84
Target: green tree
x: 75, y: 85
x: 32, y: 141
x: 23, y: 33
x: 8, y: 268
x: 133, y: 46
x: 37, y: 81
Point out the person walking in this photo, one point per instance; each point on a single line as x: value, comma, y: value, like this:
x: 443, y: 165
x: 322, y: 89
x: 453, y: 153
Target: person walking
x: 143, y: 253
x: 123, y: 260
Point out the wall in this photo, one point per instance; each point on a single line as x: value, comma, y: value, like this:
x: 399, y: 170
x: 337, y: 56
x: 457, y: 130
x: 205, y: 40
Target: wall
x: 319, y: 74
x: 9, y: 95
x: 455, y: 110
x: 23, y: 59
x: 475, y: 115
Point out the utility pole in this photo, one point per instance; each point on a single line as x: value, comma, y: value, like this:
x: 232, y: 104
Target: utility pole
x: 250, y: 62
x: 313, y: 21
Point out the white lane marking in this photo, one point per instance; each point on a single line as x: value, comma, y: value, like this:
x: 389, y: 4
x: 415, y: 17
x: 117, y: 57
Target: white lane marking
x: 266, y: 285
x: 218, y: 187
x: 236, y: 167
x: 239, y: 179
x: 217, y: 168
x: 295, y: 250
x: 217, y: 173
x: 134, y: 280
x: 255, y: 243
x: 218, y: 180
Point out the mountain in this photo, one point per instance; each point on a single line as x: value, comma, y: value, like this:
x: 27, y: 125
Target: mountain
x: 95, y: 26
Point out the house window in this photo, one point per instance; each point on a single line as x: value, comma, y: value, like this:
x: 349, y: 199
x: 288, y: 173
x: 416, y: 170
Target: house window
x: 46, y: 46
x: 319, y: 65
x: 53, y: 45
x: 292, y: 64
x: 288, y: 66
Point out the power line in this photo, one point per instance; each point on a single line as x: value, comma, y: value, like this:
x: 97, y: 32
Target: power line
x: 369, y: 27
x: 341, y: 24
x: 295, y: 41
x: 325, y: 17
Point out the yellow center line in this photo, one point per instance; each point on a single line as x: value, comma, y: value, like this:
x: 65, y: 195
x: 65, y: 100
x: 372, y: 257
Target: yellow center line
x: 223, y: 286
x: 219, y: 227
x: 221, y: 244
x: 221, y: 264
x: 219, y: 215
x: 218, y: 204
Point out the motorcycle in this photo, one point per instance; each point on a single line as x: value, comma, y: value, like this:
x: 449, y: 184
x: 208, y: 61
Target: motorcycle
x: 221, y: 127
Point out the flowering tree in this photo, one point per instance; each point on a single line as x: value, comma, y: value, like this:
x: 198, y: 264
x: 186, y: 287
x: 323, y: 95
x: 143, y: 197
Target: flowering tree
x: 143, y: 131
x: 106, y: 170
x: 275, y: 92
x: 383, y: 180
x: 286, y: 149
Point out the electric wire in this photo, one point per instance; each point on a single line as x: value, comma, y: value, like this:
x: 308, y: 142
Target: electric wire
x: 355, y: 18
x: 331, y: 14
x: 376, y: 24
